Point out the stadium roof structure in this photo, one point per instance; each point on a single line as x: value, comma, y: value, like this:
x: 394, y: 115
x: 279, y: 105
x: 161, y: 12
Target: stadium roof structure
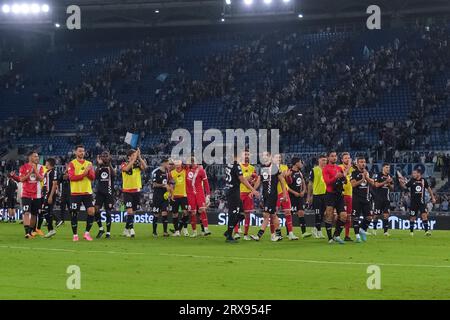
x: 160, y: 13
x: 135, y: 13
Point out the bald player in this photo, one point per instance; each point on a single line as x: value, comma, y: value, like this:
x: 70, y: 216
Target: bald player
x: 284, y: 202
x: 249, y: 173
x: 179, y: 199
x: 346, y: 165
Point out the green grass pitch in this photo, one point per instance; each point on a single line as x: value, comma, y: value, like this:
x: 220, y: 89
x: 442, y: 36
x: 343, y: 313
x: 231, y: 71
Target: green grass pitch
x: 208, y: 268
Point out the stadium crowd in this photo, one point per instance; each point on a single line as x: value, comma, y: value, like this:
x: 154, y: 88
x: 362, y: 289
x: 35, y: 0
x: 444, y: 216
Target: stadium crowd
x: 330, y: 87
x: 255, y: 91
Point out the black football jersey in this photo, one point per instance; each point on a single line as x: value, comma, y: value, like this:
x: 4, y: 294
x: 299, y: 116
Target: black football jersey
x: 381, y: 193
x: 362, y: 191
x: 105, y: 179
x: 11, y: 187
x: 269, y: 179
x: 161, y: 177
x: 417, y: 189
x: 49, y: 177
x: 64, y: 186
x: 232, y: 181
x: 297, y: 181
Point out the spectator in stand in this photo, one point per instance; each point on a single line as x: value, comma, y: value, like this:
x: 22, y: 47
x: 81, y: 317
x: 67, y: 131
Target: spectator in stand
x: 444, y: 203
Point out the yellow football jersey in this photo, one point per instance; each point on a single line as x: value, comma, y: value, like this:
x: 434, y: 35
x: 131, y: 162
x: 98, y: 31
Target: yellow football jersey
x: 348, y: 190
x: 319, y: 186
x: 83, y: 186
x: 283, y: 169
x: 131, y: 180
x: 179, y: 177
x: 45, y: 171
x: 247, y: 171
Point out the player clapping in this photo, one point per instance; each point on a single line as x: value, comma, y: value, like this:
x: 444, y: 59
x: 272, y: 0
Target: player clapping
x: 297, y: 190
x: 161, y: 194
x: 104, y: 197
x: 335, y: 178
x: 131, y: 187
x: 361, y: 201
x: 31, y: 174
x: 417, y: 186
x: 383, y: 185
x: 81, y: 174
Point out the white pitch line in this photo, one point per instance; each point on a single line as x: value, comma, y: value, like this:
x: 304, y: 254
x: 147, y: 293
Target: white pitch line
x: 114, y: 252
x: 73, y: 251
x: 308, y: 261
x: 235, y: 258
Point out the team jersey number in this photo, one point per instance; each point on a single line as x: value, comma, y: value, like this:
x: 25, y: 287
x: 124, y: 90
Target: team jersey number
x: 228, y: 175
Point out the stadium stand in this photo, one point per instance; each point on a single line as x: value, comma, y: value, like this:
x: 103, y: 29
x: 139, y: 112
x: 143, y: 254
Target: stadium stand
x: 250, y: 80
x: 363, y: 93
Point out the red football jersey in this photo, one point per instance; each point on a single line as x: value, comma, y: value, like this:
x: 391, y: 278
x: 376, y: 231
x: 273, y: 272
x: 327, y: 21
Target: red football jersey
x: 31, y: 188
x: 197, y: 181
x: 329, y: 175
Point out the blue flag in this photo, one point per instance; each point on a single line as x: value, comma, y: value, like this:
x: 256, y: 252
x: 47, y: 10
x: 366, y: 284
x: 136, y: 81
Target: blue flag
x: 162, y: 77
x: 131, y: 139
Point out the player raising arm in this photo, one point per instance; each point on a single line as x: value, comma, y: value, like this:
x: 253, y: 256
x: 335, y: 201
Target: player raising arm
x: 131, y: 187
